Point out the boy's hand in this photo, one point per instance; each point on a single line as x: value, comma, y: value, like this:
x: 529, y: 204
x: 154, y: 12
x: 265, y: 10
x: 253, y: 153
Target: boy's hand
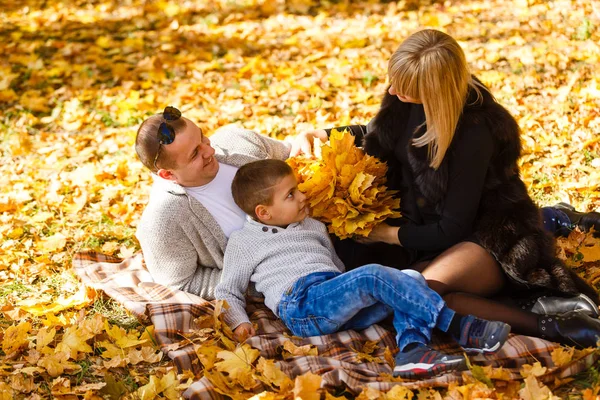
x: 243, y: 332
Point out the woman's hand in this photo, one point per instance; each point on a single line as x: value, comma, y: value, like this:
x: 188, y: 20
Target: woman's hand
x: 384, y: 233
x: 303, y: 142
x: 243, y: 332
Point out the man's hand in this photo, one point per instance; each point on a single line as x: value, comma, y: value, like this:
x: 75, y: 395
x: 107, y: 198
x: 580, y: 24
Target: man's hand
x: 303, y: 142
x: 243, y: 332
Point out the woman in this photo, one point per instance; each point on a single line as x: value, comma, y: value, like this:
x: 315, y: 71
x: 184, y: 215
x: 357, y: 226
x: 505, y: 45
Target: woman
x: 468, y: 222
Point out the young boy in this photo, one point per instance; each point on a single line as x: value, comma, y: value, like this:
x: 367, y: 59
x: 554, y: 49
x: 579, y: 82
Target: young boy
x: 291, y: 260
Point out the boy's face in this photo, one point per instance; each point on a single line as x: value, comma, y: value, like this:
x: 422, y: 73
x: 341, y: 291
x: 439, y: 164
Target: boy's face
x: 289, y: 204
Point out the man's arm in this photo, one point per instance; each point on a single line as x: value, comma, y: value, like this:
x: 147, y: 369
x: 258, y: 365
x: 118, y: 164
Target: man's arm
x: 173, y: 260
x: 248, y: 142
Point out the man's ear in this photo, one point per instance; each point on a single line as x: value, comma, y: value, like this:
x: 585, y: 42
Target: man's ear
x: 166, y: 174
x: 262, y: 213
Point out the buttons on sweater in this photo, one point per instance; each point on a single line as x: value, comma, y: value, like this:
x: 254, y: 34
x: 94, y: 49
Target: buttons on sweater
x: 265, y: 229
x: 274, y: 230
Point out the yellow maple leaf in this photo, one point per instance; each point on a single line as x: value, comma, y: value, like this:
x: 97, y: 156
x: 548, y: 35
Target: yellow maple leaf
x: 272, y: 375
x: 110, y: 350
x: 145, y: 354
x: 56, y: 364
x: 93, y: 326
x: 496, y: 373
x: 226, y: 334
x: 44, y: 337
x: 238, y: 364
x: 399, y: 393
x: 117, y: 361
x: 53, y: 243
x: 74, y: 341
x: 306, y: 387
x: 268, y: 396
x: 60, y: 386
x: 534, y: 370
x: 22, y: 383
x: 291, y: 350
x: 533, y: 390
x: 6, y: 392
x: 52, y: 320
x: 83, y: 297
x: 207, y: 353
x: 562, y: 355
x: 591, y: 253
x: 120, y: 337
x: 345, y: 187
x: 365, y: 354
x: 15, y: 337
x: 166, y: 385
x: 370, y: 393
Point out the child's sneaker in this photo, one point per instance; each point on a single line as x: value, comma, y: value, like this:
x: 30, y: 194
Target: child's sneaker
x: 424, y: 362
x: 482, y: 336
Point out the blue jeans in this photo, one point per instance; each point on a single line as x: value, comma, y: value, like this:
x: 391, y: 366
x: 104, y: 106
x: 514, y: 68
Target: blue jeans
x: 326, y: 302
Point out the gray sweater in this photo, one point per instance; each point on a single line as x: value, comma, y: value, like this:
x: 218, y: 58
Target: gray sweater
x: 182, y: 243
x: 274, y: 259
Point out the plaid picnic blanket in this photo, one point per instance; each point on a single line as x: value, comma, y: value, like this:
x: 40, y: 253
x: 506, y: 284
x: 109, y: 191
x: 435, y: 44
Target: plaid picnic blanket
x: 172, y: 312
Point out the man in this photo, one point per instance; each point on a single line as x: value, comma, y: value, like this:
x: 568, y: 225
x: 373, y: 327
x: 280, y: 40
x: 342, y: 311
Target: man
x: 191, y: 213
x: 184, y: 228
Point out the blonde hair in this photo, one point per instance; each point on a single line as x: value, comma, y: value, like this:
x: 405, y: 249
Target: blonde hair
x: 431, y: 66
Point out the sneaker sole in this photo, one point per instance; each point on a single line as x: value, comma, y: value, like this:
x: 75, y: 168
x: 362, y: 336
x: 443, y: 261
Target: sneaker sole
x: 420, y: 370
x: 502, y: 339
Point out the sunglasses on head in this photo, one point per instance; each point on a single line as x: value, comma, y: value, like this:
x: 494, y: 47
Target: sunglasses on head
x: 166, y: 133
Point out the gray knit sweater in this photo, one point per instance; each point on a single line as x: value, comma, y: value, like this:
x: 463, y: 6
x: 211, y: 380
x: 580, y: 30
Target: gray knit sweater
x: 274, y: 259
x: 182, y: 243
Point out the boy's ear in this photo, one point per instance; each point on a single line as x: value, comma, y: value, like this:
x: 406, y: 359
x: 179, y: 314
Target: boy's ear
x: 262, y: 213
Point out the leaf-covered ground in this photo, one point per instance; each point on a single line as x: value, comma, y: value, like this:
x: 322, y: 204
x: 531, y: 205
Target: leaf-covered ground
x: 77, y: 77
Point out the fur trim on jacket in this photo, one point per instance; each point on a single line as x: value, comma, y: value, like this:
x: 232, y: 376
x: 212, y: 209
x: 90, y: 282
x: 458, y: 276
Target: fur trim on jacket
x: 508, y: 223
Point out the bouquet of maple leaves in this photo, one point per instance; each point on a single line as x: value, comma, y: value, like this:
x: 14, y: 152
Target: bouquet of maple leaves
x: 345, y: 187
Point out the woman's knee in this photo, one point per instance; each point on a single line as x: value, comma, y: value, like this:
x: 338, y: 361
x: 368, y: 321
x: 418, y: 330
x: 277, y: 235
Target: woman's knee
x: 465, y: 267
x: 451, y: 299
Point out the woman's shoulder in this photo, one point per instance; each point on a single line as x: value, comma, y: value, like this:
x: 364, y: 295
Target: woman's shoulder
x: 484, y: 114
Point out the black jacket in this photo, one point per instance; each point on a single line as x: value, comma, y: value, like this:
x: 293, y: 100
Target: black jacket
x: 505, y: 221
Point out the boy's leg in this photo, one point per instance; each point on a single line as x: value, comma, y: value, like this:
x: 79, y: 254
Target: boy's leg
x: 379, y: 311
x: 336, y: 301
x: 367, y: 317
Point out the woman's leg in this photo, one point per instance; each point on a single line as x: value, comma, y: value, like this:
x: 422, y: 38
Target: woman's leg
x: 465, y: 275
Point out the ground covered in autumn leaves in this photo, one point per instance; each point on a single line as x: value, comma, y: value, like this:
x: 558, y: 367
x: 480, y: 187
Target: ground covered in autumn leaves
x: 77, y: 77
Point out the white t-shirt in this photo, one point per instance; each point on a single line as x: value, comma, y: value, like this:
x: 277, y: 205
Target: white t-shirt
x: 216, y: 197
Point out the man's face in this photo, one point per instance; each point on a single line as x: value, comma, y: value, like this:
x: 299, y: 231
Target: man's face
x: 193, y: 156
x: 289, y: 204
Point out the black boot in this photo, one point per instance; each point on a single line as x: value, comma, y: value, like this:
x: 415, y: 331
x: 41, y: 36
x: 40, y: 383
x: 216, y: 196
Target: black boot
x: 585, y: 221
x: 554, y: 305
x: 573, y: 328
